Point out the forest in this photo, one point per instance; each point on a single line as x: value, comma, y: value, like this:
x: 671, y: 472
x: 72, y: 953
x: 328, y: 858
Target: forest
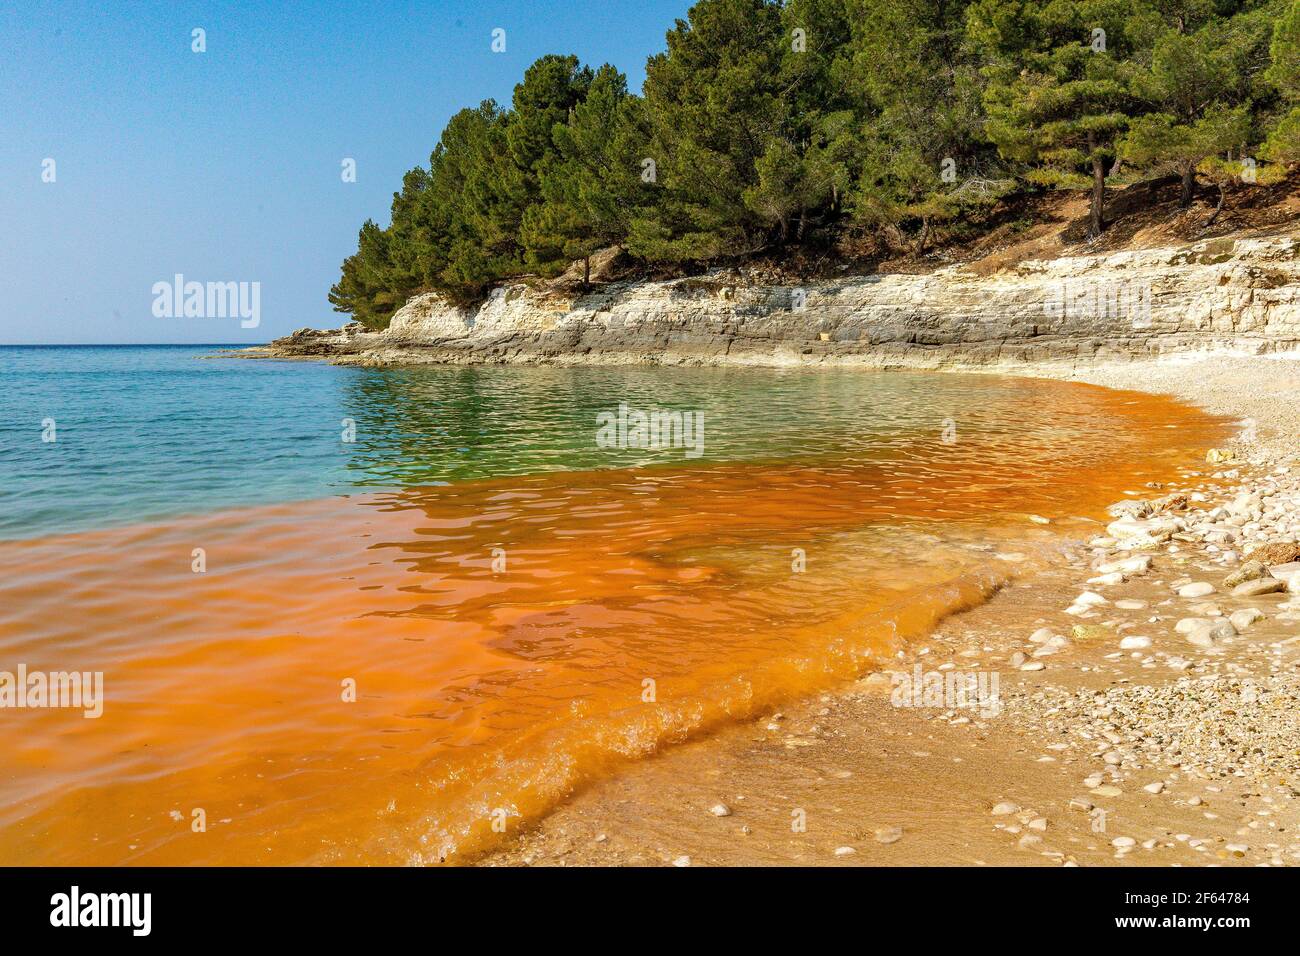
x: 769, y: 127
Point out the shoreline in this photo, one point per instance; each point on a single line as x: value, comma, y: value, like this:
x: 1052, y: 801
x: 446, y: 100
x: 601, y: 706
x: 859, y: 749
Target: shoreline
x: 1219, y: 330
x: 1182, y: 739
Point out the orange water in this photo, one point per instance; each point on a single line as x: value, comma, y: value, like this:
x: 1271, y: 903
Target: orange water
x: 635, y: 608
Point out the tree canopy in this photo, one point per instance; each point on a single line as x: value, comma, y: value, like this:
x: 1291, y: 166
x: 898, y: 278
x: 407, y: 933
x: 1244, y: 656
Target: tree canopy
x: 767, y: 126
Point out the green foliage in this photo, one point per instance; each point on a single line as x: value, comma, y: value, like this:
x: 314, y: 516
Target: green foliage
x: 1199, y: 83
x: 1283, y: 143
x: 766, y: 124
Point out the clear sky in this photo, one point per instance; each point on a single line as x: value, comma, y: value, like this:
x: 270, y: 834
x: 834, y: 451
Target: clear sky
x: 226, y: 165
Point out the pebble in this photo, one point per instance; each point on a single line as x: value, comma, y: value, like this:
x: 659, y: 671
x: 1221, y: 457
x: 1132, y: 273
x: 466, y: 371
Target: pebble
x: 1211, y: 633
x: 1196, y: 589
x: 1156, y: 787
x: 682, y: 861
x: 1134, y: 643
x: 844, y: 851
x: 1123, y: 842
x: 1005, y: 808
x: 1258, y: 587
x: 1245, y: 617
x: 720, y: 810
x: 889, y: 835
x: 1115, y: 577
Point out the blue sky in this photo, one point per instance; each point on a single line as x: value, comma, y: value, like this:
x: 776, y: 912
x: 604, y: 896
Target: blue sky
x: 225, y: 165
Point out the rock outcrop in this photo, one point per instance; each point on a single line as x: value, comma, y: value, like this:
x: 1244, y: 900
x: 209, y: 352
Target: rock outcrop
x: 1226, y: 295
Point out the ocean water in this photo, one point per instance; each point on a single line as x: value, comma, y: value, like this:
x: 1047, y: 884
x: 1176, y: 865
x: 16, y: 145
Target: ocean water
x: 142, y: 433
x: 385, y: 649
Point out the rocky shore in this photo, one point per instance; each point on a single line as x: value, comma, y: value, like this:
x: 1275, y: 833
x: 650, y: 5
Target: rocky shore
x: 1150, y: 692
x: 1221, y: 296
x: 1149, y: 679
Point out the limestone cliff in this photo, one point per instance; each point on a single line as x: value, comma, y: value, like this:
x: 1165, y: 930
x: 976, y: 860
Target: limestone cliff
x: 1225, y: 295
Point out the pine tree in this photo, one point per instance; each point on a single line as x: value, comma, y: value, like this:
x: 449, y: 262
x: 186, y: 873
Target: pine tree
x: 1283, y: 143
x: 1061, y: 87
x: 590, y: 187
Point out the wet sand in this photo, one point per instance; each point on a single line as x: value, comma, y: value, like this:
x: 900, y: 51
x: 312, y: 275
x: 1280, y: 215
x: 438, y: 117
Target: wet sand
x: 1160, y: 752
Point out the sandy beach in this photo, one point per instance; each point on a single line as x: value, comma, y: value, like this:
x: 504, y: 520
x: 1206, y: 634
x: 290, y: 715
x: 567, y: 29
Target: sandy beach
x: 1148, y: 691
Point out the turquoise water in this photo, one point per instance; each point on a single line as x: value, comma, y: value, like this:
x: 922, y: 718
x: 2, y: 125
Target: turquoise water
x: 148, y: 432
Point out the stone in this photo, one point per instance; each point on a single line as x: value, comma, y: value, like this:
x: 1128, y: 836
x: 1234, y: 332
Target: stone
x: 1134, y: 642
x: 844, y: 851
x: 1258, y: 587
x: 1136, y: 565
x: 1284, y: 572
x: 720, y: 810
x: 1090, y: 632
x: 889, y: 835
x: 1276, y: 553
x: 1247, y: 572
x: 1245, y: 617
x: 1156, y: 787
x: 1114, y: 577
x: 1196, y: 589
x: 1005, y: 808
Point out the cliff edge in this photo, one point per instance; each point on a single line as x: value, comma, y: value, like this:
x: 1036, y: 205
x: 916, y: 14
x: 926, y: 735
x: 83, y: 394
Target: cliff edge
x: 1226, y: 295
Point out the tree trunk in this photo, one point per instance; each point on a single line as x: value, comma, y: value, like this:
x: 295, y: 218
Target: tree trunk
x: 586, y: 271
x: 1096, y: 221
x: 1217, y: 209
x: 1189, y: 185
x: 925, y: 234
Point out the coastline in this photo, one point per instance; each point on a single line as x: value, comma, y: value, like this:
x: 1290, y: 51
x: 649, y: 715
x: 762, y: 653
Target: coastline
x: 1185, y: 751
x: 880, y: 784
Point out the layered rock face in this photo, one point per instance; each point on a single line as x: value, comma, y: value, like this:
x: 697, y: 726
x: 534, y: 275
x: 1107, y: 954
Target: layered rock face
x: 1240, y: 296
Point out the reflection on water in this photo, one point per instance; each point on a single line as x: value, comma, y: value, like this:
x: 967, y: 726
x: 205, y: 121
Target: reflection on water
x: 151, y: 432
x: 524, y: 626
